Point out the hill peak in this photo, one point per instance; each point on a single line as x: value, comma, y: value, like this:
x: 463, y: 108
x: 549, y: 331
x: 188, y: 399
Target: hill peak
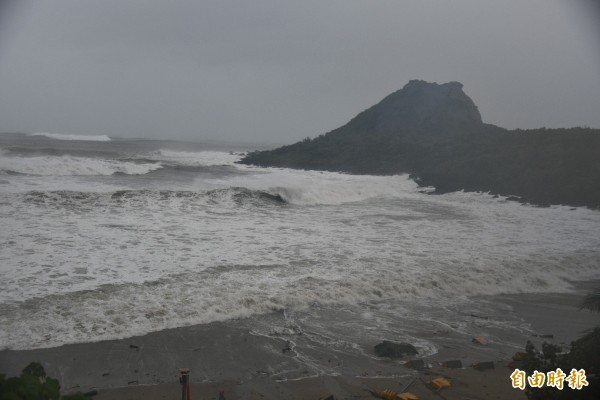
x: 428, y: 106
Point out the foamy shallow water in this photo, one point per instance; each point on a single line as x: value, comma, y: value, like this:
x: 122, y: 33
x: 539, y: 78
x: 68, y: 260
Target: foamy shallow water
x: 200, y: 238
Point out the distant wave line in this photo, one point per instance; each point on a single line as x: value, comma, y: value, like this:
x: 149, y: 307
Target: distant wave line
x: 65, y: 136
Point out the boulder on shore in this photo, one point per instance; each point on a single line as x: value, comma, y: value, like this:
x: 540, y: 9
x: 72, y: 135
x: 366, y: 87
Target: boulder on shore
x: 394, y: 350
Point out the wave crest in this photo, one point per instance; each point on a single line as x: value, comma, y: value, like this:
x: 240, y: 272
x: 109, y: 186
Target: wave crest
x: 72, y: 166
x: 65, y: 136
x: 321, y: 188
x: 195, y: 158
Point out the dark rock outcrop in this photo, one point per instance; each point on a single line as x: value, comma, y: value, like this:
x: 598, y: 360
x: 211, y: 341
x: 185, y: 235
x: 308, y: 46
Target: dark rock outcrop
x: 435, y: 133
x: 427, y: 106
x: 394, y: 350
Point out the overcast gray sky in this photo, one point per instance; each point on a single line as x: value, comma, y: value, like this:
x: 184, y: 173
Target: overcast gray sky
x: 278, y: 71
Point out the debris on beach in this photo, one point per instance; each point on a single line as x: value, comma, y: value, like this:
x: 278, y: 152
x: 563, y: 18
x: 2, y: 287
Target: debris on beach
x: 518, y: 360
x: 440, y: 383
x: 480, y: 340
x: 388, y: 394
x: 452, y: 364
x: 483, y: 366
x: 394, y: 350
x: 408, y: 396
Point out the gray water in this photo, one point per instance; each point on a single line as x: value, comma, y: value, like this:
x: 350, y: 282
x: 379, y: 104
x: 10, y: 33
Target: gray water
x: 112, y: 238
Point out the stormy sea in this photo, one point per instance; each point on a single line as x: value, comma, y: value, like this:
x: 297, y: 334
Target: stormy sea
x: 106, y: 238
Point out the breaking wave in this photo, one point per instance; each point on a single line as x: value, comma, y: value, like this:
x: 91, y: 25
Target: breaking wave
x: 64, y: 136
x: 147, y: 199
x: 66, y: 165
x: 93, y: 257
x: 195, y: 159
x: 318, y: 187
x: 116, y: 310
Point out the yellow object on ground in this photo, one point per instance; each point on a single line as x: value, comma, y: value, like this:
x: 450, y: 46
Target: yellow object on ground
x: 407, y: 396
x: 440, y: 383
x: 480, y: 340
x: 386, y: 394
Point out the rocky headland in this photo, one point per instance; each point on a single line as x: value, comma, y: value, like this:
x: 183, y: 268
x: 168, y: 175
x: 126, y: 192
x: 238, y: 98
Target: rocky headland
x: 435, y: 133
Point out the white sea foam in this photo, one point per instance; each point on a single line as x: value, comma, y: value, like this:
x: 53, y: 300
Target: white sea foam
x: 195, y: 159
x: 318, y: 187
x: 72, y: 166
x: 89, y: 256
x: 64, y: 136
x: 94, y: 266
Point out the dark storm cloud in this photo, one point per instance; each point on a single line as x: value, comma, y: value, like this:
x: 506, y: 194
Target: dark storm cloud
x: 282, y: 70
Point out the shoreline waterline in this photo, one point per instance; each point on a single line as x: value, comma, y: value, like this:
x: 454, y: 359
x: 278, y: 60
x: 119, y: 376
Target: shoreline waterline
x: 232, y: 351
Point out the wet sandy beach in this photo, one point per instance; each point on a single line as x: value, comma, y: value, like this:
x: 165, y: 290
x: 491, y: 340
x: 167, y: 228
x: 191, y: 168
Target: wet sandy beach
x: 232, y: 357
